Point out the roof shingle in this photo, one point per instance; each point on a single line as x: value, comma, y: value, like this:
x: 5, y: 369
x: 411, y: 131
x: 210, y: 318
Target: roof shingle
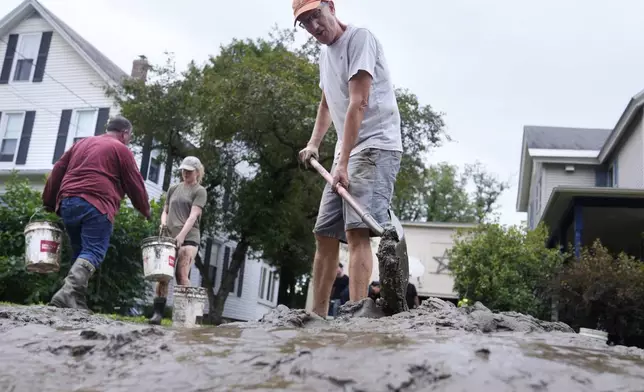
x: 561, y: 138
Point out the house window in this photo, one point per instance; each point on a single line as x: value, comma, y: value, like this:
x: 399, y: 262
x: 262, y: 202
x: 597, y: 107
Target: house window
x: 262, y: 281
x: 26, y: 55
x: 266, y: 285
x: 83, y: 124
x: 154, y: 169
x: 10, y: 129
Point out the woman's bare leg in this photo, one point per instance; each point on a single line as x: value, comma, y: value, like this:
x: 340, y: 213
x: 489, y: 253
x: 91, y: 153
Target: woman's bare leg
x: 187, y: 255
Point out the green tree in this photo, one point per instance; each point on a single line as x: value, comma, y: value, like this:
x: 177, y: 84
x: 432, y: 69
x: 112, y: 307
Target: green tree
x: 439, y: 193
x: 118, y: 283
x: 506, y: 268
x: 446, y: 198
x: 161, y: 109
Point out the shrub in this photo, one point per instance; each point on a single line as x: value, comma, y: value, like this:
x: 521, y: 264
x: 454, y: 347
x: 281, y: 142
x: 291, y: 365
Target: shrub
x: 506, y: 268
x: 604, y: 291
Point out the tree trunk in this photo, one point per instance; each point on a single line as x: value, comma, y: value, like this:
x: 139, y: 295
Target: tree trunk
x: 227, y: 282
x: 169, y: 160
x: 286, y: 295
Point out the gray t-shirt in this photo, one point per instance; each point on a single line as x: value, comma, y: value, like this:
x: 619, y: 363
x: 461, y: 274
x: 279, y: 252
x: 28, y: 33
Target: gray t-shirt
x: 358, y: 49
x: 181, y: 198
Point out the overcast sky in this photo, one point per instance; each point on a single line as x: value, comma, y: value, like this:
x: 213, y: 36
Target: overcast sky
x: 491, y: 67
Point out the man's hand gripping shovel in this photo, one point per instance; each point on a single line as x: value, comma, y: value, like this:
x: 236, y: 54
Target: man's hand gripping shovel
x: 393, y: 260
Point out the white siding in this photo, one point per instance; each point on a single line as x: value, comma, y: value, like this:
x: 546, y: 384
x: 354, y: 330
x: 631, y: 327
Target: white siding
x: 630, y: 160
x: 554, y: 175
x: 69, y: 83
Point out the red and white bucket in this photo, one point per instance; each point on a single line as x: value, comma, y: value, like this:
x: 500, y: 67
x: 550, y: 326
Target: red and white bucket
x: 159, y: 258
x: 43, y: 243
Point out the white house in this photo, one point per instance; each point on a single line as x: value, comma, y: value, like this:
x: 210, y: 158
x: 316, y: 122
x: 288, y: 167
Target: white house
x: 585, y: 184
x: 52, y: 94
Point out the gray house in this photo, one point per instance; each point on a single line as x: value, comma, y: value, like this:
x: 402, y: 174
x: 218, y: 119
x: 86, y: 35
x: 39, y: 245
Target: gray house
x: 586, y: 184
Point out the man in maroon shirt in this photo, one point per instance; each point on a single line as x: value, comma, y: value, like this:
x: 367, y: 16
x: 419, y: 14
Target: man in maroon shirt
x: 85, y: 189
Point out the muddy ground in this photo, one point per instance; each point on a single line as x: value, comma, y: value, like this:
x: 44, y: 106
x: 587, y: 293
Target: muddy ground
x: 435, y: 348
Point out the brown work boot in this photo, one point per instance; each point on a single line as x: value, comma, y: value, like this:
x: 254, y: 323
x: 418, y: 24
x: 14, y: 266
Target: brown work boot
x: 74, y: 291
x: 159, y: 307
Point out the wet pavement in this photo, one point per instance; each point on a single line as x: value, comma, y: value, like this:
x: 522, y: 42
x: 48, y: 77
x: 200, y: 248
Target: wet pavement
x: 435, y: 348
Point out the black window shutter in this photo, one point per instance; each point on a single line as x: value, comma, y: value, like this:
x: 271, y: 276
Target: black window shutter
x: 25, y: 138
x: 601, y: 177
x: 8, y: 58
x: 208, y: 253
x: 240, y: 279
x: 63, y: 129
x: 43, y: 52
x: 101, y: 121
x: 226, y: 259
x: 145, y: 158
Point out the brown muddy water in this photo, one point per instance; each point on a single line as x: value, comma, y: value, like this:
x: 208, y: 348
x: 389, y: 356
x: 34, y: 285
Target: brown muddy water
x: 435, y: 348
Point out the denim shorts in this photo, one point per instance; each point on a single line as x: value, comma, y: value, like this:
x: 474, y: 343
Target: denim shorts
x: 89, y: 230
x: 372, y: 175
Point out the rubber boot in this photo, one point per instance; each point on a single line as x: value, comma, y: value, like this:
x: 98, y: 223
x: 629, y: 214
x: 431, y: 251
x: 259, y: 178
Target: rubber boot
x: 159, y: 307
x: 74, y: 291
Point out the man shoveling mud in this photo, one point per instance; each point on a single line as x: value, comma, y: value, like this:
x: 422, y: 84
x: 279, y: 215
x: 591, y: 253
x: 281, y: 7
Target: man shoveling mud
x: 359, y: 98
x: 85, y: 189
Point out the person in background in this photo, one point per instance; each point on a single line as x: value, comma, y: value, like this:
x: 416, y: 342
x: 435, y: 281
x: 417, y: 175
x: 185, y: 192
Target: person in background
x: 412, y: 296
x: 180, y: 219
x: 374, y: 290
x: 85, y: 189
x: 340, y: 290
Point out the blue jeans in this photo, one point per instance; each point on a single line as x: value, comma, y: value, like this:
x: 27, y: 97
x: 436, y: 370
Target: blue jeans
x: 89, y: 231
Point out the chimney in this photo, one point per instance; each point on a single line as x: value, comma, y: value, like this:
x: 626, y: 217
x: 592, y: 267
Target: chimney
x: 140, y: 68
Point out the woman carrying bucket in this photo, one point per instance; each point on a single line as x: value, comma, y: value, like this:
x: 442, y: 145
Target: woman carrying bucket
x: 180, y: 218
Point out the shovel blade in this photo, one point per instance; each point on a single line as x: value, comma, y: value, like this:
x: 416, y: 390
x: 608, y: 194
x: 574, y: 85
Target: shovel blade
x: 393, y: 265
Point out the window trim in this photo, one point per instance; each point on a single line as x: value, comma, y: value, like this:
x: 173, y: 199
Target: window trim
x: 3, y: 130
x: 154, y: 158
x: 18, y: 56
x: 611, y: 175
x: 266, y: 291
x: 71, y: 134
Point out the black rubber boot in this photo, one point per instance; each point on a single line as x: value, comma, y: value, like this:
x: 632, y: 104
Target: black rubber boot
x: 74, y: 291
x: 159, y: 307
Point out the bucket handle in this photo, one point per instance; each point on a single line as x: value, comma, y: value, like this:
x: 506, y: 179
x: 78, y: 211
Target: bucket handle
x: 38, y: 209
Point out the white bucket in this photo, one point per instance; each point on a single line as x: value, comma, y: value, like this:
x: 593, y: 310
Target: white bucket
x: 42, y: 247
x: 188, y: 306
x: 159, y: 258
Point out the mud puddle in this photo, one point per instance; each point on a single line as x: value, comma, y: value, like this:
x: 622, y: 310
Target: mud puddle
x: 435, y: 348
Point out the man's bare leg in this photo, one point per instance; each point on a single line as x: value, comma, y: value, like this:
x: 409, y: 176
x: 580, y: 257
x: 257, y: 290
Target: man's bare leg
x: 325, y: 265
x: 360, y: 263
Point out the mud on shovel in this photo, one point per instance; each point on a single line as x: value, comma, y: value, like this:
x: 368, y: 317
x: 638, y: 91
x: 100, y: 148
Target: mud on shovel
x: 393, y: 260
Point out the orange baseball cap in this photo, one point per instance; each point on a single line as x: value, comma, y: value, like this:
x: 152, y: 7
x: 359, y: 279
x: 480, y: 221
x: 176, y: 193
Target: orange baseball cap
x: 302, y: 6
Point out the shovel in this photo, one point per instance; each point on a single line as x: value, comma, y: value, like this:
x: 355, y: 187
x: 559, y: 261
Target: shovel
x: 393, y: 260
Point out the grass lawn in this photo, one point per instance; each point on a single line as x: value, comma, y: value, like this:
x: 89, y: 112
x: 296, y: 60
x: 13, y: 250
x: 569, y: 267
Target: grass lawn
x: 136, y: 319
